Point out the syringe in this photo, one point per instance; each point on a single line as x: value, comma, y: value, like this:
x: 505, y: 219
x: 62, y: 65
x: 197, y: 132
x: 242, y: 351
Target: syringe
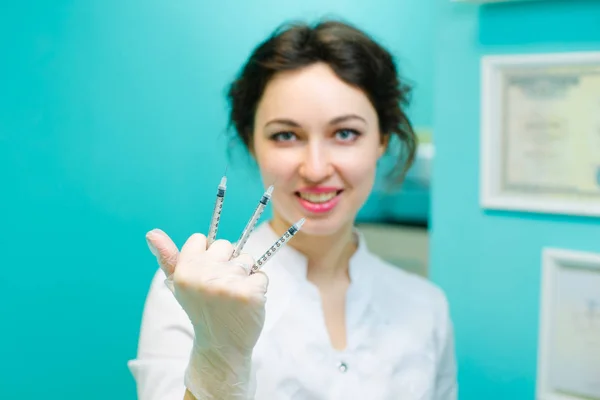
x: 252, y: 223
x: 214, y: 222
x: 287, y: 236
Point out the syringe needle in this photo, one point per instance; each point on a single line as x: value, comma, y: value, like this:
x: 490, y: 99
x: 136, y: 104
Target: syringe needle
x: 262, y: 204
x: 287, y: 236
x: 216, y: 216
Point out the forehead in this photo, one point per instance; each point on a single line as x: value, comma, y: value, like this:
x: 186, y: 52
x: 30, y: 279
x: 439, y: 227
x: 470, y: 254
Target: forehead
x: 312, y: 93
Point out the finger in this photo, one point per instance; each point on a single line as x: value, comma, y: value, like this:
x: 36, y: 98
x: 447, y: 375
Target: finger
x: 220, y: 251
x: 245, y: 259
x: 193, y: 247
x: 252, y: 288
x: 164, y: 250
x: 232, y: 270
x: 259, y: 281
x: 239, y: 266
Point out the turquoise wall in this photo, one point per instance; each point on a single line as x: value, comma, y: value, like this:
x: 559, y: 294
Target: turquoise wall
x: 489, y: 262
x: 112, y: 122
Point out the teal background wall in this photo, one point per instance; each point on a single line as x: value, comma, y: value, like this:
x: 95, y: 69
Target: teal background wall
x: 112, y: 122
x: 489, y: 262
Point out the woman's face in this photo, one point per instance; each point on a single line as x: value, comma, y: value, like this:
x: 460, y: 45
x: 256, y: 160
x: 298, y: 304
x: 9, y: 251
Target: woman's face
x: 317, y: 138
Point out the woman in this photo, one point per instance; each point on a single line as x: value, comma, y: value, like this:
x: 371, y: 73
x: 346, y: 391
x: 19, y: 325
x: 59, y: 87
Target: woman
x: 316, y: 107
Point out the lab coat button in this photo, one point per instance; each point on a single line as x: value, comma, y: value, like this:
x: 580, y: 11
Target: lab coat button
x: 342, y: 367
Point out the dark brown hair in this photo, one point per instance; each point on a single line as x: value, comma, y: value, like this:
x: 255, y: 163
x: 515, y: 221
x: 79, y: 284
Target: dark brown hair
x: 354, y: 57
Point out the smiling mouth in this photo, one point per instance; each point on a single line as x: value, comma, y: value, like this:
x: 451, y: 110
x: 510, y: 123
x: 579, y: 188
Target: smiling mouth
x: 318, y: 198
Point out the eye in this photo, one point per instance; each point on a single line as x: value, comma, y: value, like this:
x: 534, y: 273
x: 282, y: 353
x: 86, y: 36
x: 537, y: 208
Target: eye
x: 347, y: 135
x: 283, y: 137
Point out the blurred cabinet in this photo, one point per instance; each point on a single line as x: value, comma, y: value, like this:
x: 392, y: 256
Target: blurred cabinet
x: 404, y: 246
x: 409, y: 204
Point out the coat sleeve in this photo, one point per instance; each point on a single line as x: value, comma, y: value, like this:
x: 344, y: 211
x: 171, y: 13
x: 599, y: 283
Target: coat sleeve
x: 165, y: 343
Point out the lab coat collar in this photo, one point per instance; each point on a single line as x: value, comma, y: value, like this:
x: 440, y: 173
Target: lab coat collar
x: 287, y: 276
x: 295, y: 263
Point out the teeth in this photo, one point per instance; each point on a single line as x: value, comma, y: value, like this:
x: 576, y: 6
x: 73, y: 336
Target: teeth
x: 318, y: 197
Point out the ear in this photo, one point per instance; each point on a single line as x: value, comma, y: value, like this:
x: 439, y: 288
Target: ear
x: 383, y: 146
x: 250, y: 144
x: 250, y: 148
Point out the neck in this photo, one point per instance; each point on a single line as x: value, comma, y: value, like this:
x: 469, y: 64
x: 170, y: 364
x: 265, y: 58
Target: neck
x: 328, y: 256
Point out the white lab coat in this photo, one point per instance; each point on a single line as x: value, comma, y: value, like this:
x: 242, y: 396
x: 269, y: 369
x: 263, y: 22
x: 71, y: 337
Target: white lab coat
x: 400, y: 342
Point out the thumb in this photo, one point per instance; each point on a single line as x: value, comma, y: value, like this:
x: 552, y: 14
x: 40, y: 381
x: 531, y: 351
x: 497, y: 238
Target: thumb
x: 164, y: 250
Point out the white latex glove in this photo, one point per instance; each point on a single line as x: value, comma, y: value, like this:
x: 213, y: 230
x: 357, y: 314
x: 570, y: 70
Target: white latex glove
x: 226, y: 307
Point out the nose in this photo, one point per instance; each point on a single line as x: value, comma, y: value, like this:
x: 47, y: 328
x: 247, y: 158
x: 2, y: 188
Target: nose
x: 316, y: 165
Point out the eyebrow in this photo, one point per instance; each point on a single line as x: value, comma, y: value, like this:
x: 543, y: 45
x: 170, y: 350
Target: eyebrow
x: 336, y: 120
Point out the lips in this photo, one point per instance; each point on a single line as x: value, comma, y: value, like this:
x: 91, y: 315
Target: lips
x: 319, y: 200
x: 318, y: 197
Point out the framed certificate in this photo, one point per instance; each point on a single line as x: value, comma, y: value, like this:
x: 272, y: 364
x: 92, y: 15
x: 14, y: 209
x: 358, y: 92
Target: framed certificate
x: 540, y: 133
x: 569, y: 345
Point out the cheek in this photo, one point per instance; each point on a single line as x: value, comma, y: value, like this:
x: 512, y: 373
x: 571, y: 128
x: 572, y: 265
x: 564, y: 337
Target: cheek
x: 361, y: 176
x: 359, y: 165
x: 275, y: 166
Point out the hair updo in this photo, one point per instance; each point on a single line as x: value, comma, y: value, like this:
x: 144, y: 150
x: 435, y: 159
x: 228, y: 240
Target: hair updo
x: 354, y: 57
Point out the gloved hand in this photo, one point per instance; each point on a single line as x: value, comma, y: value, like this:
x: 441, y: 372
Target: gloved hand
x: 226, y: 307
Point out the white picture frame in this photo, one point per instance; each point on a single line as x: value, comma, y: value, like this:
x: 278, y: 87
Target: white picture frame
x: 569, y: 353
x: 563, y: 175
